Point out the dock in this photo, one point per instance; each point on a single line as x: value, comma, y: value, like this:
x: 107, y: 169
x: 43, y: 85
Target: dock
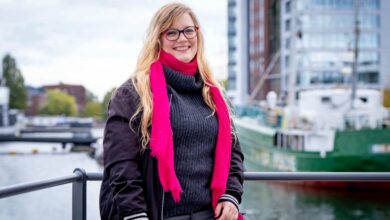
x: 76, y: 140
x: 62, y: 135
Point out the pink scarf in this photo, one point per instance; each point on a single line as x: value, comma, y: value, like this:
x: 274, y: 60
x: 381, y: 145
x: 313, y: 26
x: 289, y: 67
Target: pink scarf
x: 161, y: 140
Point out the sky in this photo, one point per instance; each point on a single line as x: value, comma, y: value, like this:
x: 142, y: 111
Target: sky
x: 94, y: 43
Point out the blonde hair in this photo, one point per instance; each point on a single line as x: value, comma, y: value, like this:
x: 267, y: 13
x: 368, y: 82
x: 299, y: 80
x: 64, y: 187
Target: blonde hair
x: 161, y: 21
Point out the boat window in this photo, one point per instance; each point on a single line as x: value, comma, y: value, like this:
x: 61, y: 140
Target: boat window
x: 288, y: 141
x: 325, y: 99
x: 276, y: 140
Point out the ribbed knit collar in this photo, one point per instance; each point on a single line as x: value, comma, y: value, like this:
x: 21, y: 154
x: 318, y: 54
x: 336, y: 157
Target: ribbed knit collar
x: 183, y: 82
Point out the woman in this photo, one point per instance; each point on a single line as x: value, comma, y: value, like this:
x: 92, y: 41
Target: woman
x: 169, y: 148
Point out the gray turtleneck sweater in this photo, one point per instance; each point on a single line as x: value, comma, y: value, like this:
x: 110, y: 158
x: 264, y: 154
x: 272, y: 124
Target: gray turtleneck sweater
x: 194, y: 138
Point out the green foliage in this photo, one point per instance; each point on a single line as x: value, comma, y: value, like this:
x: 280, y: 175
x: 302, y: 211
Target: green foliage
x: 92, y: 109
x: 59, y: 103
x: 105, y: 102
x: 386, y: 98
x: 15, y: 82
x: 224, y: 83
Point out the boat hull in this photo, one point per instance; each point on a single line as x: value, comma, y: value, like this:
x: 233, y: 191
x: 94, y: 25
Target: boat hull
x: 352, y: 152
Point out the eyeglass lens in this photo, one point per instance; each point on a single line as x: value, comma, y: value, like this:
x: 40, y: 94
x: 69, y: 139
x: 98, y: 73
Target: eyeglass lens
x: 174, y: 34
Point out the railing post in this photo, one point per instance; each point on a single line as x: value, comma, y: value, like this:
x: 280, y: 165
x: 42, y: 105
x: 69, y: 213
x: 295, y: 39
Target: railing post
x: 79, y: 196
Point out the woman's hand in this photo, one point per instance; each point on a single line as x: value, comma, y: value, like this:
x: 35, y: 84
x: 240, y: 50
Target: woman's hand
x: 226, y: 211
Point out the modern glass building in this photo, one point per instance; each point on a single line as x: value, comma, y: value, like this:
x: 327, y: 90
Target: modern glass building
x: 232, y: 45
x: 318, y: 43
x: 316, y: 40
x: 238, y: 50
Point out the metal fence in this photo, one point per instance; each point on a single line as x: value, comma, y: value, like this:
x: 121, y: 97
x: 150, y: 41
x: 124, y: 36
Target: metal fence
x: 79, y: 179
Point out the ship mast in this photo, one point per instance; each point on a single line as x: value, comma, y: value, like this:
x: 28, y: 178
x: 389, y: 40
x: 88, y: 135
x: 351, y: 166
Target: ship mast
x: 355, y: 53
x: 292, y: 75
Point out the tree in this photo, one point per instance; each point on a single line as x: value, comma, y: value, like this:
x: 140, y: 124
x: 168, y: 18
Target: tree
x: 90, y: 96
x: 59, y: 103
x: 93, y: 109
x: 15, y: 82
x: 105, y: 102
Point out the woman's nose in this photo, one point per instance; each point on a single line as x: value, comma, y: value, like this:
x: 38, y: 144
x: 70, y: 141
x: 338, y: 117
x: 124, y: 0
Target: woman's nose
x: 181, y: 37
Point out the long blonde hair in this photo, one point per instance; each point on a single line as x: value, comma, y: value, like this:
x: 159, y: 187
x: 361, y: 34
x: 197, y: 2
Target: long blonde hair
x: 161, y: 21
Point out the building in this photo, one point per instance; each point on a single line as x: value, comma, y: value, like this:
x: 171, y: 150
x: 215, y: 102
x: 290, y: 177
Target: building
x: 237, y: 44
x: 264, y: 41
x: 253, y: 37
x: 316, y: 42
x: 77, y: 91
x: 4, y: 103
x: 36, y: 99
x: 4, y: 96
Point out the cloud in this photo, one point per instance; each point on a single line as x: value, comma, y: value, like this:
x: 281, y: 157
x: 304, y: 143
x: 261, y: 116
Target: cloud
x: 94, y: 43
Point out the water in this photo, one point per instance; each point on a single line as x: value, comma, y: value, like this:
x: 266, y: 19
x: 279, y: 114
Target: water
x: 262, y: 201
x: 271, y: 201
x: 51, y: 161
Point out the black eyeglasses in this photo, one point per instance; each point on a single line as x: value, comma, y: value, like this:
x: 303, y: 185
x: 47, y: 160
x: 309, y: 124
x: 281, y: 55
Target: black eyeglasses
x: 174, y: 34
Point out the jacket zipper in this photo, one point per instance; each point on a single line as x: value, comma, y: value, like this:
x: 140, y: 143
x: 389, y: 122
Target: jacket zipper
x: 163, y: 193
x: 162, y: 206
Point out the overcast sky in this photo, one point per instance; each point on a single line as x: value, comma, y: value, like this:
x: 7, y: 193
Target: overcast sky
x: 94, y: 43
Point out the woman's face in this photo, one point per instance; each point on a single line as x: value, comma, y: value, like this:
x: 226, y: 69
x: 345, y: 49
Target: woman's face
x: 184, y: 49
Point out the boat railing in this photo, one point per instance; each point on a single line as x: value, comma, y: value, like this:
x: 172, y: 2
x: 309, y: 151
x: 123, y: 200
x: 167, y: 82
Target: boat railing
x: 80, y: 177
x: 269, y: 117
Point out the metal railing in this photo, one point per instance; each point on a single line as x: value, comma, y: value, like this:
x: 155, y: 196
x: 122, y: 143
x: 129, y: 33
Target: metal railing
x: 79, y: 180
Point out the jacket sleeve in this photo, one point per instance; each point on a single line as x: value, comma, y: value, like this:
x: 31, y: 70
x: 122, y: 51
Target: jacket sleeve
x: 234, y: 187
x: 121, y: 156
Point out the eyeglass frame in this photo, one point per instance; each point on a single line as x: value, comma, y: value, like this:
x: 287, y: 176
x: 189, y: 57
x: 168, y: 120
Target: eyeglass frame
x: 180, y: 32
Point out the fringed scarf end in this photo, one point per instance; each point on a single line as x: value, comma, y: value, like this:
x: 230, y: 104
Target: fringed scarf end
x: 176, y: 195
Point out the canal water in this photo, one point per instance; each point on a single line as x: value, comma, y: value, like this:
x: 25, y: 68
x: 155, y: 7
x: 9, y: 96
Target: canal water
x: 24, y: 162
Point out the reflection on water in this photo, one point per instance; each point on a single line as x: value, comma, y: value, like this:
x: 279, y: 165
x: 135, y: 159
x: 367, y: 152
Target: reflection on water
x: 52, y: 203
x: 281, y: 201
x: 261, y: 200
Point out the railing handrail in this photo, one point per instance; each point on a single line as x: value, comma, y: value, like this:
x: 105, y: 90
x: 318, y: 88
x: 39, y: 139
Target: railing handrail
x: 37, y: 185
x: 80, y: 175
x: 79, y: 180
x: 319, y: 176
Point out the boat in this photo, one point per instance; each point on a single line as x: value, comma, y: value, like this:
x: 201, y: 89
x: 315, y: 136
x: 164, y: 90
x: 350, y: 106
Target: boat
x: 336, y: 127
x: 58, y: 122
x: 321, y: 133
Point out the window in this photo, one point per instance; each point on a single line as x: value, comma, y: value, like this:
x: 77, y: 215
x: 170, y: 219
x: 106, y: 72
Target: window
x: 369, y: 40
x: 287, y: 43
x: 369, y: 21
x: 368, y: 58
x: 231, y: 84
x: 368, y: 77
x: 232, y: 42
x: 326, y: 99
x: 288, y: 7
x: 288, y: 24
x: 286, y: 61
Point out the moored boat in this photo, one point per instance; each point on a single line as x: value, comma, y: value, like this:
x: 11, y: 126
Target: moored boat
x: 321, y: 133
